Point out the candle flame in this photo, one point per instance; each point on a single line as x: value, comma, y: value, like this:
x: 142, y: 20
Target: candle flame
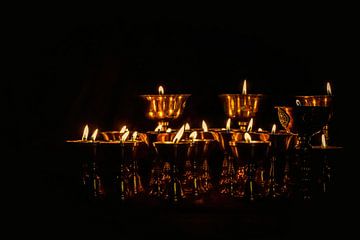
x: 298, y: 103
x: 249, y: 128
x: 158, y: 128
x: 228, y: 124
x: 168, y: 130
x: 134, y: 135
x: 161, y: 90
x: 247, y: 137
x: 273, y: 129
x: 124, y: 136
x: 94, y: 135
x: 179, y: 134
x: 323, y: 141
x: 85, y: 133
x: 204, y: 126
x: 244, y: 89
x: 328, y: 88
x: 123, y: 129
x: 187, y: 126
x: 193, y: 135
x: 260, y: 130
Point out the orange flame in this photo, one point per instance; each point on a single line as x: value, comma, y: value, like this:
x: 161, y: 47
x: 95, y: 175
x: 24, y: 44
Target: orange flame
x: 161, y: 90
x: 158, y: 128
x: 123, y: 129
x: 228, y: 124
x: 298, y: 103
x: 134, y: 135
x: 247, y: 137
x: 125, y: 136
x: 85, y: 133
x: 168, y: 130
x: 244, y: 89
x: 260, y: 130
x: 249, y: 128
x: 328, y: 88
x: 179, y: 134
x: 94, y: 135
x: 273, y: 129
x: 204, y: 126
x: 193, y: 135
x: 323, y: 141
x: 187, y: 126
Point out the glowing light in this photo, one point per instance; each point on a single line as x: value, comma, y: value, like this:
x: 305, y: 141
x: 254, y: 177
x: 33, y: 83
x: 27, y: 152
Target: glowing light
x: 193, y: 135
x: 204, y: 126
x: 168, y: 130
x: 158, y: 128
x: 94, y: 135
x: 228, y: 124
x: 179, y: 134
x: 125, y: 136
x: 323, y: 141
x: 244, y: 89
x: 187, y: 126
x: 249, y: 128
x: 123, y: 129
x: 328, y: 88
x: 273, y: 129
x: 161, y: 90
x: 85, y: 133
x: 247, y: 137
x: 134, y: 135
x: 298, y: 103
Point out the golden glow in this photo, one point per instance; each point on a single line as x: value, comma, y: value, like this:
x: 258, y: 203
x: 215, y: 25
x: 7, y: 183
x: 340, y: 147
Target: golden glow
x: 228, y: 124
x: 85, y: 133
x: 323, y: 141
x: 250, y: 125
x: 125, y: 136
x: 193, y: 135
x: 134, y: 135
x: 247, y: 137
x: 161, y: 90
x: 273, y: 129
x: 179, y: 134
x: 298, y: 103
x: 94, y: 135
x: 123, y: 129
x: 244, y: 89
x: 204, y: 126
x: 328, y: 88
x: 168, y: 130
x: 158, y: 128
x: 260, y: 130
x: 187, y: 126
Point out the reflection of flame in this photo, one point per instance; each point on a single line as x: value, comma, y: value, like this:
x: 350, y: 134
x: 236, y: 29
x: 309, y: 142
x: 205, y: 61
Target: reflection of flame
x: 249, y: 128
x: 204, y: 126
x: 93, y: 136
x: 124, y: 136
x: 187, y: 126
x: 168, y: 130
x: 247, y: 137
x: 85, y: 133
x: 323, y: 141
x: 123, y: 129
x: 298, y: 103
x: 328, y: 88
x: 244, y: 88
x: 193, y: 135
x: 228, y: 124
x: 158, y: 128
x: 179, y: 134
x: 273, y: 129
x: 133, y: 137
x: 161, y: 90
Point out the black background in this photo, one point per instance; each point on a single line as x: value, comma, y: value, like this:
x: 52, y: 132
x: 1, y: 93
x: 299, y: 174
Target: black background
x: 85, y: 68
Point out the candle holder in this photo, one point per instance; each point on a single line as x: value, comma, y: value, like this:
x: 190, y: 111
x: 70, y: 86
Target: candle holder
x: 164, y: 108
x: 241, y: 107
x: 304, y: 121
x: 172, y: 157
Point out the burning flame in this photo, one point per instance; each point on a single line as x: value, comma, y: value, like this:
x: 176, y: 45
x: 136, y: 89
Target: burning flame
x: 123, y: 129
x: 94, y: 135
x: 228, y: 124
x: 273, y: 129
x: 247, y: 137
x: 179, y: 134
x: 328, y: 88
x: 168, y: 130
x: 244, y: 88
x: 161, y: 90
x: 124, y: 136
x: 85, y: 133
x: 298, y: 103
x: 260, y: 130
x: 187, y: 126
x: 204, y: 126
x: 323, y: 141
x: 158, y: 128
x: 249, y: 128
x: 134, y: 135
x: 193, y: 135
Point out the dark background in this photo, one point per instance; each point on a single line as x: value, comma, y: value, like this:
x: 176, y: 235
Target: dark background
x: 83, y: 68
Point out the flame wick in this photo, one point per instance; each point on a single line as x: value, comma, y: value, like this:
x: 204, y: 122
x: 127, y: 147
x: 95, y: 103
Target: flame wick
x: 247, y: 137
x: 273, y: 129
x: 94, y: 135
x: 204, y: 126
x: 244, y: 89
x: 328, y: 88
x: 249, y: 128
x: 85, y: 133
x: 323, y: 141
x: 179, y: 134
x: 161, y: 90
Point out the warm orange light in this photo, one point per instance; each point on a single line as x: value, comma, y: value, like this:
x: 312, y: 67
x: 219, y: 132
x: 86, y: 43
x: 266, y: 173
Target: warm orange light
x: 204, y: 126
x: 168, y: 130
x: 244, y: 89
x: 123, y: 129
x: 193, y: 135
x: 273, y: 129
x: 298, y: 103
x: 328, y: 88
x: 158, y: 128
x: 125, y: 136
x: 228, y: 124
x: 187, y: 126
x: 161, y: 90
x: 260, y: 130
x: 247, y: 137
x: 94, y: 135
x: 249, y: 128
x: 323, y: 141
x: 85, y: 133
x: 179, y: 134
x: 133, y: 137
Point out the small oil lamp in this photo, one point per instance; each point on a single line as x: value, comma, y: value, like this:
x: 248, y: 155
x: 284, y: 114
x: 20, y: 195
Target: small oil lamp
x: 165, y: 107
x: 241, y: 107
